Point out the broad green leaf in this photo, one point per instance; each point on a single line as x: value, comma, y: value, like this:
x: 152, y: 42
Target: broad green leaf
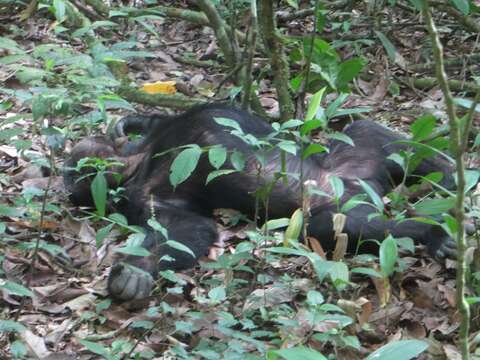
x: 295, y: 353
x: 11, y: 326
x: 434, y: 206
x: 59, y: 6
x: 9, y: 44
x: 135, y: 250
x: 341, y: 137
x: 422, y: 128
x: 155, y: 225
x: 16, y: 289
x: 228, y: 123
x: 293, y: 123
x: 367, y: 271
x: 184, y: 164
x: 335, y: 105
x: 238, y: 160
x: 288, y: 146
x: 462, y: 5
x: 95, y: 348
x: 216, y: 173
x: 339, y: 274
x: 372, y: 194
x: 99, y: 190
x: 313, y: 148
x: 101, y: 234
x: 310, y: 125
x: 315, y: 297
x: 348, y: 71
x: 388, y: 255
x: 179, y: 246
x: 275, y: 224
x: 10, y: 211
x: 314, y: 104
x: 399, y: 350
x: 217, y: 294
x: 476, y: 143
x: 217, y: 156
x: 295, y: 226
x: 392, y: 52
x: 18, y: 349
x: 337, y: 186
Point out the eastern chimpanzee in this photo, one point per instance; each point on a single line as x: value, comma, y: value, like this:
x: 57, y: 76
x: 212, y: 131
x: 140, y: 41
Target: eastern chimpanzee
x: 186, y: 212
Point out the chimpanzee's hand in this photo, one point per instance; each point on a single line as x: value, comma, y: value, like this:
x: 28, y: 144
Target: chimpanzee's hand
x: 448, y: 247
x: 447, y: 250
x: 127, y: 282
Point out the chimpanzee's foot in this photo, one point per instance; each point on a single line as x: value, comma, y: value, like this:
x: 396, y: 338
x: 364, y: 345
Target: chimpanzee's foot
x: 127, y: 282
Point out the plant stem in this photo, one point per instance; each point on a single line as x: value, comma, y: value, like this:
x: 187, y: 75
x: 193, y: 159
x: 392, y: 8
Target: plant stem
x: 457, y: 150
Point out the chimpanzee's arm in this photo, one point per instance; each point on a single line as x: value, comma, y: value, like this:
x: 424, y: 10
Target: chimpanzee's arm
x: 439, y: 244
x: 194, y: 231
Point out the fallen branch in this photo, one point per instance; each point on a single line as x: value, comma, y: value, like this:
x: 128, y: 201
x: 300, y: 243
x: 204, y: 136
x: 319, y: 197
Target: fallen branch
x: 175, y: 101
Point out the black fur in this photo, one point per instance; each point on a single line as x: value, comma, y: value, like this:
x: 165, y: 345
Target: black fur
x: 187, y: 211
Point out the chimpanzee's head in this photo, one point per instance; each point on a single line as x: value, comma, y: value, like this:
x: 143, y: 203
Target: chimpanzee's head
x: 87, y: 158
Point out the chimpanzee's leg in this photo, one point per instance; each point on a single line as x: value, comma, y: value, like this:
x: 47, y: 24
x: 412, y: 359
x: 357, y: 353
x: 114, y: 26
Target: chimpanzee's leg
x: 371, y: 136
x: 357, y: 227
x: 194, y: 231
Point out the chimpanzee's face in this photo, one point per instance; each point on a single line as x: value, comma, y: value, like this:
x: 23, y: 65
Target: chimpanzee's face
x: 88, y: 157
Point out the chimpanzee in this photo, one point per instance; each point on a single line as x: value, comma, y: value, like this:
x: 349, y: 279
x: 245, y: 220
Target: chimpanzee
x: 186, y: 212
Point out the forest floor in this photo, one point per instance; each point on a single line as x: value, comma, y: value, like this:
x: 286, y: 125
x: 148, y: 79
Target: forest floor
x: 68, y: 315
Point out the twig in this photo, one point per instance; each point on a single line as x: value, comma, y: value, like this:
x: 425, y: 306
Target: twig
x: 457, y: 150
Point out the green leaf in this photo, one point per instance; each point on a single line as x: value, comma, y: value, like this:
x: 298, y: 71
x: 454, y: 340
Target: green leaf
x: 348, y: 70
x: 18, y: 349
x: 179, y: 246
x: 339, y: 274
x: 10, y: 211
x: 228, y: 123
x: 217, y: 156
x: 341, y: 137
x: 155, y: 225
x: 423, y: 127
x: 11, y: 326
x: 399, y: 350
x: 275, y: 224
x: 391, y: 50
x: 295, y: 353
x: 101, y: 234
x: 217, y: 294
x: 95, y: 348
x: 476, y: 143
x: 462, y: 5
x: 59, y: 6
x: 184, y: 164
x: 216, y: 173
x: 367, y: 271
x: 337, y: 186
x: 314, y: 104
x: 16, y: 289
x: 288, y: 146
x: 388, y: 255
x: 372, y: 194
x: 238, y: 160
x: 293, y: 123
x: 135, y: 250
x: 315, y: 297
x: 313, y: 148
x: 310, y: 125
x: 9, y: 44
x: 99, y: 190
x: 434, y: 206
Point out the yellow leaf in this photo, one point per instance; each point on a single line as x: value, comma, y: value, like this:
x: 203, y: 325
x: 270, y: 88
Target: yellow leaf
x: 160, y: 87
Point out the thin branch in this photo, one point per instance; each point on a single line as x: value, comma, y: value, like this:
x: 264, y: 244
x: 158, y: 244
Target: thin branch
x: 457, y: 151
